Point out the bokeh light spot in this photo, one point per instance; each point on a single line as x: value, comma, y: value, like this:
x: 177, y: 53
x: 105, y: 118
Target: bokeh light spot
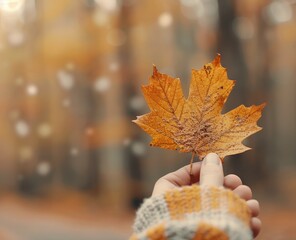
x: 102, y: 84
x: 32, y: 90
x: 43, y: 168
x: 65, y: 79
x: 44, y: 130
x: 22, y: 128
x: 165, y: 20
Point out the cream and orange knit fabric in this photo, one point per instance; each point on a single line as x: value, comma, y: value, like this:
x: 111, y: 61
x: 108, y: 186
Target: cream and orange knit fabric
x: 193, y: 212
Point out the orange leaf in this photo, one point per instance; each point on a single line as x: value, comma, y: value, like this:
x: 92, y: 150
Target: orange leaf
x: 196, y: 124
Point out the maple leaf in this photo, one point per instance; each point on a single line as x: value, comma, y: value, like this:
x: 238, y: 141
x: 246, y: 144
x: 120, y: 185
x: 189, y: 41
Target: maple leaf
x: 196, y: 124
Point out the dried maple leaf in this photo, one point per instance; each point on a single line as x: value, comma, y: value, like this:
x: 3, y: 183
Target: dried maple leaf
x: 196, y: 124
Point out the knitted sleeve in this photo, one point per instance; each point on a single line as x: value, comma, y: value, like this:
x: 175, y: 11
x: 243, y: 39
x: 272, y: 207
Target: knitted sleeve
x: 193, y: 212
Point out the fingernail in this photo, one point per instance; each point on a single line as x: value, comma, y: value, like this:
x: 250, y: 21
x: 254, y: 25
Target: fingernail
x: 212, y: 158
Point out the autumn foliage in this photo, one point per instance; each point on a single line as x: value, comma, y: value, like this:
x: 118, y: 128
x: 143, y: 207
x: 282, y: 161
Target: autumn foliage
x: 196, y: 124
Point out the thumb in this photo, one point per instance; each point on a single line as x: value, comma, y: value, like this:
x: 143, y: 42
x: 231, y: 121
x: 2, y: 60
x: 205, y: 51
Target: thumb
x: 211, y: 172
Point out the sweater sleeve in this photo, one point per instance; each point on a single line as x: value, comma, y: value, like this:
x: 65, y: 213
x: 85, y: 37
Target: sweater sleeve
x: 193, y: 212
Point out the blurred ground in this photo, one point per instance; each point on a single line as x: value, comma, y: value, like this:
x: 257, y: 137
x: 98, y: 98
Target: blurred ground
x: 278, y: 223
x: 77, y: 217
x: 72, y: 218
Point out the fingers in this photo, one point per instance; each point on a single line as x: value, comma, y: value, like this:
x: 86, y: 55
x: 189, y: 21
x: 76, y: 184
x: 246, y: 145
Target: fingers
x: 254, y: 207
x: 182, y: 177
x: 211, y: 172
x: 178, y: 178
x: 255, y: 221
x: 232, y: 181
x: 243, y: 192
x: 255, y: 226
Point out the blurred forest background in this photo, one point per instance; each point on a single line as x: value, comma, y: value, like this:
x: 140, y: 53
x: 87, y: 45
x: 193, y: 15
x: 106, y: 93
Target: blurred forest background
x: 73, y: 165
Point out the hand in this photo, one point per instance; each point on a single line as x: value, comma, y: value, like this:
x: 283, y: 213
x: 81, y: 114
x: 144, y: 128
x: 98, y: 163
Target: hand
x: 210, y: 172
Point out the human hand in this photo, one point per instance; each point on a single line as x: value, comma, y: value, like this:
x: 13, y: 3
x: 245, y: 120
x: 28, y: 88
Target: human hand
x: 210, y: 172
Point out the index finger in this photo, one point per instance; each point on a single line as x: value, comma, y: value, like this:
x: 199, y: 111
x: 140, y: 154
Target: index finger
x: 182, y: 176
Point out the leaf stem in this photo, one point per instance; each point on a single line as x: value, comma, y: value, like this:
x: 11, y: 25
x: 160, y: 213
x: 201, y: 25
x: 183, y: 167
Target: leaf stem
x: 190, y: 172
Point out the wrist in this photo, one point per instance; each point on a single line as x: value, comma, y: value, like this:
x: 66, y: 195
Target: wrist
x: 196, y: 209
